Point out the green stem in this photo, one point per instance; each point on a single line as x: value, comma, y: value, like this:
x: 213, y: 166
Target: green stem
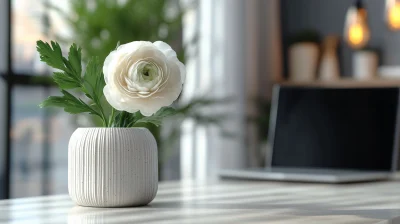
x: 138, y: 116
x: 122, y: 119
x: 102, y: 114
x: 104, y: 122
x: 111, y: 121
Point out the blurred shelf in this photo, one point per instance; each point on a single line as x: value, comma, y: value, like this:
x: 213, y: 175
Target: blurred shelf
x: 344, y: 83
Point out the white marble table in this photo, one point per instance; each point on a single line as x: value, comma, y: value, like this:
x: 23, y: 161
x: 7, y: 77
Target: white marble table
x: 226, y: 202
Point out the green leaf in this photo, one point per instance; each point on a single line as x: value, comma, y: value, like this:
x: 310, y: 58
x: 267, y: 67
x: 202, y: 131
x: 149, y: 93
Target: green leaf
x: 75, y: 58
x: 70, y: 70
x: 91, y: 84
x: 51, y: 55
x: 93, y: 80
x: 157, y: 118
x: 69, y: 102
x: 198, y: 103
x: 64, y: 81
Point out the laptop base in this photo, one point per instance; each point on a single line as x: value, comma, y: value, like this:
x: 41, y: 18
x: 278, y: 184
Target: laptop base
x: 306, y: 175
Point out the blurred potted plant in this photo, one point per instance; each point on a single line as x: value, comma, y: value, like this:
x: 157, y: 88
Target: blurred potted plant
x: 303, y: 55
x: 99, y: 25
x: 262, y: 122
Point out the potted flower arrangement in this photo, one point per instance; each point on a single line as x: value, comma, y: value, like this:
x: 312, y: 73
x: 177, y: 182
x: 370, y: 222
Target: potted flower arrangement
x: 115, y: 165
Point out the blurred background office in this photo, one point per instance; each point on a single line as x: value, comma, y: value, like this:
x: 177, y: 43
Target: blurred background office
x: 234, y: 51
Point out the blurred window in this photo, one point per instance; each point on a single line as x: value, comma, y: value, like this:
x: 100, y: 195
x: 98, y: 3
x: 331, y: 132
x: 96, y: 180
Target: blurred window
x: 38, y: 138
x: 32, y: 21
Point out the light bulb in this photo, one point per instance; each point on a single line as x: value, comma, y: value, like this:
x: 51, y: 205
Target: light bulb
x: 356, y: 31
x: 393, y: 14
x: 356, y: 34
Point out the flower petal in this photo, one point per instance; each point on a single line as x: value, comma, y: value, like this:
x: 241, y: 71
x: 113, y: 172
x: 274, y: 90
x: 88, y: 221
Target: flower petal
x: 108, y: 64
x: 117, y: 101
x: 182, y: 69
x: 165, y: 48
x: 108, y: 94
x: 132, y: 46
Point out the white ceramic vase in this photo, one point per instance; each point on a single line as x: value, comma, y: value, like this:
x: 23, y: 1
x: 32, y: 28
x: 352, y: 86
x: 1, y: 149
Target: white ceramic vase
x: 365, y: 65
x: 112, y: 167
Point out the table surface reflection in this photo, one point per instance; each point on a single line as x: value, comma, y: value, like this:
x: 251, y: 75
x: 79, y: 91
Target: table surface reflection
x: 226, y: 202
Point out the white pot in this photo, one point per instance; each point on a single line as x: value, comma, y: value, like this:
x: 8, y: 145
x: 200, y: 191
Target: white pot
x: 112, y: 167
x: 329, y: 67
x: 303, y: 61
x: 365, y: 65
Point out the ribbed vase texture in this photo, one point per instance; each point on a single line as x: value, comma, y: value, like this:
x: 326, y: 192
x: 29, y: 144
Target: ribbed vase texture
x: 112, y: 167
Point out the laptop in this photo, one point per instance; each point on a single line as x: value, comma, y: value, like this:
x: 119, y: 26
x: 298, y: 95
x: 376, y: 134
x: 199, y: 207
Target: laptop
x: 330, y: 135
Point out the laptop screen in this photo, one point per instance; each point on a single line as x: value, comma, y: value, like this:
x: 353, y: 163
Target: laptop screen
x: 335, y: 128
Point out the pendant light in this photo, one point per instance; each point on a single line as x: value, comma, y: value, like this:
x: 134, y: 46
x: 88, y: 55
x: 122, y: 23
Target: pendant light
x: 356, y: 31
x: 392, y: 14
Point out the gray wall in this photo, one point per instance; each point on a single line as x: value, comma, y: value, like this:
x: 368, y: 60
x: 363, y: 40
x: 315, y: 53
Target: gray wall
x: 328, y: 16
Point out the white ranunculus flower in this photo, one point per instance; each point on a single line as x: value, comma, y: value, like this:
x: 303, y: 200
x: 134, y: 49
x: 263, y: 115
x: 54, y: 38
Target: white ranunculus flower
x: 143, y: 76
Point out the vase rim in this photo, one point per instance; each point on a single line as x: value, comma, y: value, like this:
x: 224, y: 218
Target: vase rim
x: 110, y: 128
